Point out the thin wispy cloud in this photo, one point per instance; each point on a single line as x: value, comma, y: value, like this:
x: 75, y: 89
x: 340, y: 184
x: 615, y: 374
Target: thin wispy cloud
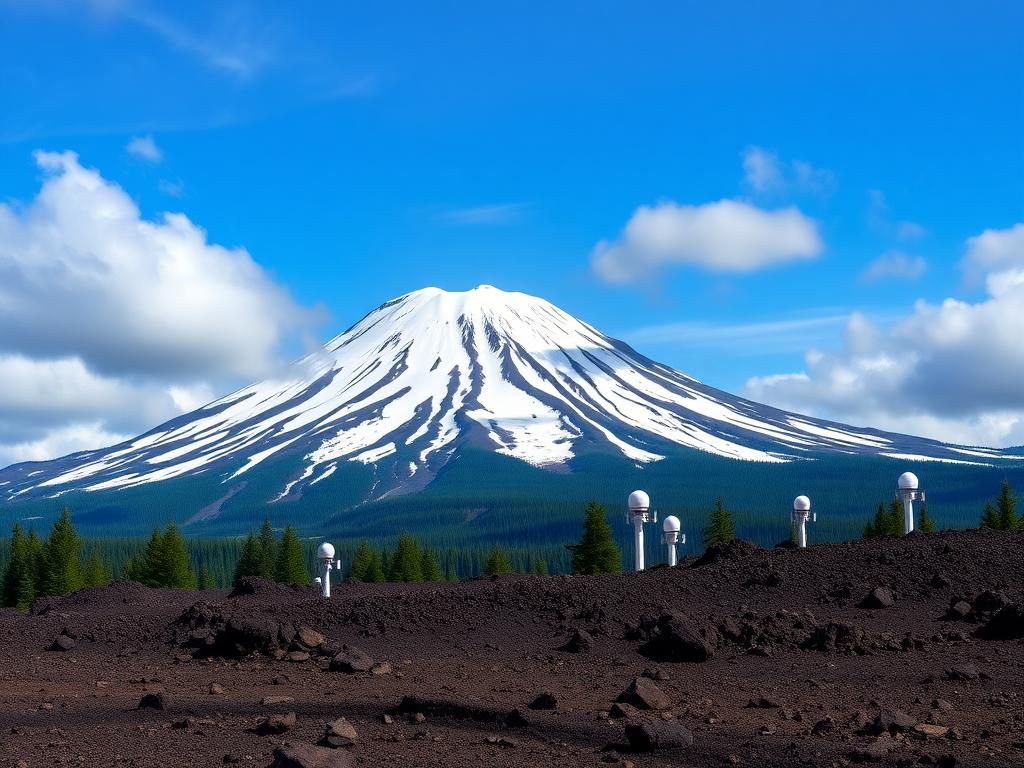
x: 895, y: 265
x: 756, y: 338
x: 880, y: 220
x: 502, y: 213
x: 145, y: 148
x: 765, y: 173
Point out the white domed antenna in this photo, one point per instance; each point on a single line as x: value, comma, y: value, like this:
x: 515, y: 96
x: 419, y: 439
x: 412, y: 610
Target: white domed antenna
x: 671, y: 536
x: 801, y: 514
x: 908, y: 491
x: 639, y: 504
x: 325, y: 554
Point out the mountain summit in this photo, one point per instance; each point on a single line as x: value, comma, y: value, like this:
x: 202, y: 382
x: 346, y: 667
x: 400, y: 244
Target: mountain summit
x: 434, y: 371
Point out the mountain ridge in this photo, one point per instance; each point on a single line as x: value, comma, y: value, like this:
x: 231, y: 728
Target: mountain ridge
x: 431, y: 372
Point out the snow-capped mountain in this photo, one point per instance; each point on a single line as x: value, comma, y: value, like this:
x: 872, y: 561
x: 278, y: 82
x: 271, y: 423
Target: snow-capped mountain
x: 432, y: 371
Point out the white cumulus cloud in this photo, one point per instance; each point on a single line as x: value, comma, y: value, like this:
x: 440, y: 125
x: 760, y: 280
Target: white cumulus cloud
x: 724, y: 236
x: 111, y: 323
x: 952, y: 370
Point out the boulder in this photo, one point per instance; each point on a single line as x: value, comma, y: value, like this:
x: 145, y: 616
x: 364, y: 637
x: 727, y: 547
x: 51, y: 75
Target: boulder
x: 340, y: 733
x: 381, y: 668
x: 677, y: 638
x: 300, y: 755
x: 1007, y: 623
x: 893, y: 721
x: 351, y: 659
x: 309, y: 638
x: 580, y: 642
x: 275, y: 724
x: 644, y: 694
x: 963, y: 672
x: 157, y: 700
x: 216, y: 689
x: 546, y: 700
x: 62, y: 643
x: 879, y: 597
x: 650, y: 735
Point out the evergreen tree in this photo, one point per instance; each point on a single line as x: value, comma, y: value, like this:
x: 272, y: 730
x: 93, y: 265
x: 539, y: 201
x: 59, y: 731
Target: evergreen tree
x: 450, y: 572
x: 540, y: 566
x: 407, y: 564
x: 597, y: 551
x: 362, y: 562
x: 375, y: 570
x: 430, y: 568
x: 925, y: 524
x: 1006, y: 505
x: 176, y: 571
x: 888, y: 521
x: 721, y: 528
x: 249, y: 562
x: 205, y: 580
x: 291, y: 565
x: 61, y: 567
x: 497, y: 562
x: 17, y: 566
x: 990, y: 517
x: 97, y: 572
x: 267, y: 550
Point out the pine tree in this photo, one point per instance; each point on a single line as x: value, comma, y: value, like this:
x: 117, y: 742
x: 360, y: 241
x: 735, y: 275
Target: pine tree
x: 888, y: 521
x: 540, y: 566
x: 407, y: 564
x: 176, y: 570
x: 990, y: 517
x: 597, y: 551
x: 925, y: 524
x: 1006, y: 505
x: 498, y: 562
x: 430, y: 568
x: 16, y: 567
x: 450, y: 573
x: 249, y: 562
x: 291, y: 565
x: 97, y: 572
x: 721, y: 528
x: 205, y: 580
x: 375, y: 570
x: 61, y: 567
x: 362, y: 562
x: 267, y: 550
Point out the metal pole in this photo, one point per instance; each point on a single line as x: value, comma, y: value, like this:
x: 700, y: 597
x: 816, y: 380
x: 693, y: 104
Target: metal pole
x: 802, y: 532
x: 638, y: 538
x: 908, y: 513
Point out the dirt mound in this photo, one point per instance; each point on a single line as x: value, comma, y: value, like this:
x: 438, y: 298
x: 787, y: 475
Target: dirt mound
x: 257, y: 585
x: 737, y: 549
x: 119, y: 593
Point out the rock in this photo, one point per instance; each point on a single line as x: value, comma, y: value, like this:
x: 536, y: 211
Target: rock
x: 309, y: 638
x: 879, y: 597
x: 275, y: 724
x: 387, y: 719
x: 340, y: 733
x: 62, y: 643
x: 837, y: 636
x: 545, y: 700
x: 350, y: 660
x: 243, y: 635
x: 824, y: 726
x: 381, y: 668
x: 963, y: 672
x: 989, y: 600
x: 763, y: 703
x: 216, y: 689
x: 942, y: 706
x: 154, y: 701
x: 875, y: 752
x: 297, y: 657
x: 622, y: 709
x: 958, y: 610
x: 892, y: 721
x: 930, y: 730
x: 501, y: 741
x: 677, y: 638
x: 644, y: 694
x: 650, y: 735
x: 300, y: 755
x: 580, y: 642
x: 270, y: 701
x: 1006, y: 624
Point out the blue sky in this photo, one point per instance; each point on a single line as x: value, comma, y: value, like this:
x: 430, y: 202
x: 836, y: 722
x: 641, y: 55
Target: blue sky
x: 360, y: 151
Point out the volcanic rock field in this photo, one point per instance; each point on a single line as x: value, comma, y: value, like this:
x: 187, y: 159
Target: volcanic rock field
x: 898, y: 652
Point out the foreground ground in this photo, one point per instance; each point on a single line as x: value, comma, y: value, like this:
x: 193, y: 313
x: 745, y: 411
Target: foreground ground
x: 762, y: 658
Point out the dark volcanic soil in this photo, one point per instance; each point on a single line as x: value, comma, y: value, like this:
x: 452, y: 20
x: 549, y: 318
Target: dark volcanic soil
x: 763, y: 658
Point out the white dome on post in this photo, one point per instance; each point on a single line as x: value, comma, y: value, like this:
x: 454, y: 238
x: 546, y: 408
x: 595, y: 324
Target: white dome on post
x: 325, y: 551
x: 907, y: 482
x: 671, y: 524
x: 639, y: 501
x: 801, y: 504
